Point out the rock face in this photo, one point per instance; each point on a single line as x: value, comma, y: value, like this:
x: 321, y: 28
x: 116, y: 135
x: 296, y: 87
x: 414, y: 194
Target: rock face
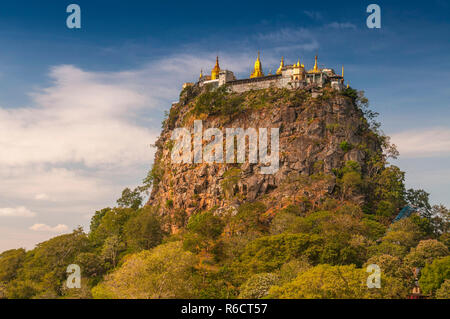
x: 317, y: 135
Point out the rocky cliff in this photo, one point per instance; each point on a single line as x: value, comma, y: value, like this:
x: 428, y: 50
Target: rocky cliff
x: 320, y: 131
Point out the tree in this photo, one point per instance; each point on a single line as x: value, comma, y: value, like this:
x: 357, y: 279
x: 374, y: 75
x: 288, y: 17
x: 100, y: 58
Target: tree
x: 405, y: 233
x: 97, y: 218
x: 425, y: 252
x: 248, y: 217
x: 163, y: 272
x: 44, y: 268
x: 349, y: 179
x: 420, y: 200
x: 434, y: 274
x: 203, y: 230
x: 440, y: 220
x: 112, y: 223
x: 391, y: 266
x: 389, y: 188
x: 444, y: 291
x: 257, y: 286
x: 336, y: 282
x: 290, y: 270
x: 10, y: 262
x: 143, y: 231
x: 111, y: 249
x: 131, y: 198
x: 266, y: 254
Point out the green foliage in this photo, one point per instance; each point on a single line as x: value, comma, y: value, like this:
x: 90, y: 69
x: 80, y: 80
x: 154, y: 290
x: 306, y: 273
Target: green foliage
x: 444, y: 291
x: 290, y: 270
x: 92, y: 264
x: 230, y: 179
x: 425, y: 252
x: 257, y: 286
x: 434, y: 275
x: 111, y: 224
x: 130, y: 198
x: 10, y: 262
x: 345, y: 146
x: 283, y: 222
x: 164, y: 272
x: 203, y: 229
x: 268, y: 253
x: 218, y: 102
x: 349, y: 179
x: 143, y: 231
x: 169, y: 203
x: 44, y: 268
x: 389, y: 187
x: 351, y: 93
x: 206, y: 224
x: 373, y: 229
x: 336, y: 282
x: 391, y: 266
x: 154, y: 176
x: 97, y: 218
x: 249, y: 218
x: 420, y: 200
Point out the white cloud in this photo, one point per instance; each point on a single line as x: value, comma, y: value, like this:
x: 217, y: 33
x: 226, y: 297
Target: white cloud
x: 433, y: 142
x: 19, y: 211
x: 341, y: 25
x: 290, y: 39
x: 41, y: 196
x: 60, y: 228
x: 80, y: 119
x: 314, y: 15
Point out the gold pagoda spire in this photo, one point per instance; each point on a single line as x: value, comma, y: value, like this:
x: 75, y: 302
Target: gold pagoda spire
x: 281, y: 66
x: 316, y: 68
x: 215, y: 71
x: 257, y: 71
x: 201, y: 73
x: 342, y: 81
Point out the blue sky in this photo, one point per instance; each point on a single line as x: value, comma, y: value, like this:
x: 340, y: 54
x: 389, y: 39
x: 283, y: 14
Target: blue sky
x: 67, y: 96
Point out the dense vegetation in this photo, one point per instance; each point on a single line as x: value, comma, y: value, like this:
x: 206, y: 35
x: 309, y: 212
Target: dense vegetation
x: 313, y: 250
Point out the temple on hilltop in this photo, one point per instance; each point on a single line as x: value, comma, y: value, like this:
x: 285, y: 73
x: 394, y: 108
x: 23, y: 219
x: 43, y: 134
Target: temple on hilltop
x: 287, y: 76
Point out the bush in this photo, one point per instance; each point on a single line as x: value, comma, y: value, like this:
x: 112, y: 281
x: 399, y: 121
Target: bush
x: 164, y: 272
x: 336, y: 282
x: 268, y: 253
x: 257, y: 286
x: 206, y: 224
x: 444, y: 291
x: 434, y: 275
x: 425, y: 252
x: 218, y: 101
x: 345, y: 146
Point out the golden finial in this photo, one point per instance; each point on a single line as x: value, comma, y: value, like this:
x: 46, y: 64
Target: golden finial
x: 298, y: 63
x: 342, y: 71
x: 348, y: 85
x: 215, y: 71
x: 281, y: 66
x: 201, y: 73
x: 315, y: 65
x: 316, y: 68
x: 257, y: 70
